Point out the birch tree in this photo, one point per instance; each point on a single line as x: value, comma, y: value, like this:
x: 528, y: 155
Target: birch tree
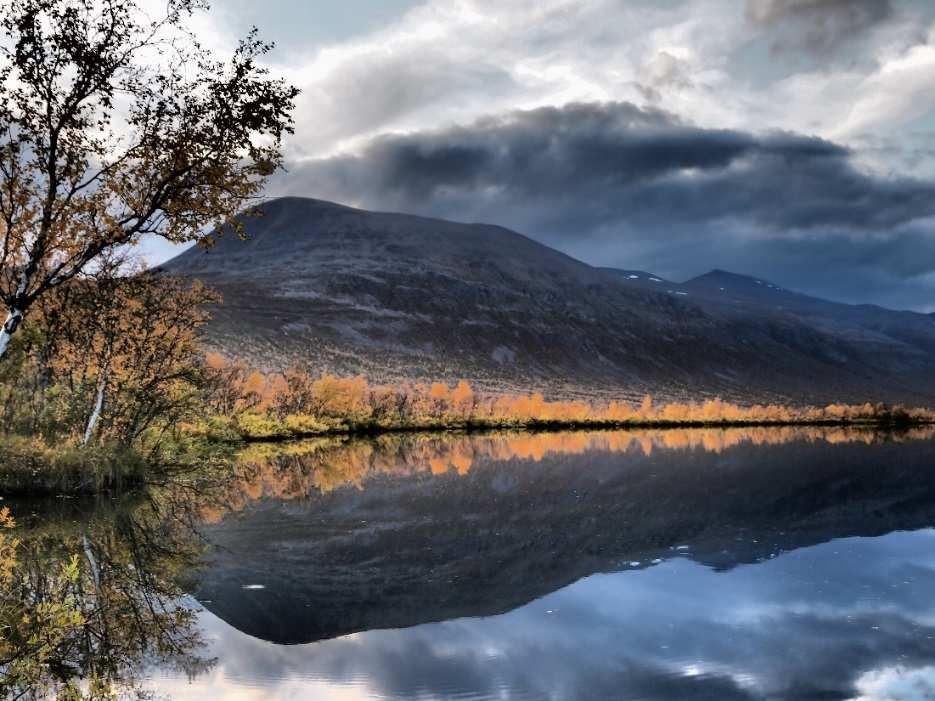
x: 115, y: 126
x: 126, y: 358
x: 139, y: 352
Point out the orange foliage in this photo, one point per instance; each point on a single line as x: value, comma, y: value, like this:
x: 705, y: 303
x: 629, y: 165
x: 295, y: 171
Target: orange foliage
x: 353, y: 401
x: 323, y: 464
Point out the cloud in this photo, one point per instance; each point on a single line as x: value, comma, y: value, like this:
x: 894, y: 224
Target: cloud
x: 854, y: 14
x: 636, y: 186
x: 415, y: 66
x: 819, y: 26
x: 442, y: 62
x: 584, y: 165
x: 663, y: 73
x: 407, y: 89
x: 897, y: 93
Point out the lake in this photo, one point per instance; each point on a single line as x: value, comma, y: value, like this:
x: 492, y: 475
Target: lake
x: 705, y: 563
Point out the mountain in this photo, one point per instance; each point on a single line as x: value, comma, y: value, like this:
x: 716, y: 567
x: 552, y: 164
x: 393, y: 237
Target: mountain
x: 863, y: 325
x: 398, y: 296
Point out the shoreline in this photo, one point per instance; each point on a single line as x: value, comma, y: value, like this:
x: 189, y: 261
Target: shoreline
x: 363, y: 431
x: 55, y: 472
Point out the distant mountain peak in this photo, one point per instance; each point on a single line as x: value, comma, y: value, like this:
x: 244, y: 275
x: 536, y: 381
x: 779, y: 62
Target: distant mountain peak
x: 640, y: 277
x: 293, y: 200
x: 720, y: 282
x: 721, y: 276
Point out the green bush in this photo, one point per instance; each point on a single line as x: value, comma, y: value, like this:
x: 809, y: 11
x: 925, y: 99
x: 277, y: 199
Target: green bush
x: 255, y: 426
x: 304, y: 425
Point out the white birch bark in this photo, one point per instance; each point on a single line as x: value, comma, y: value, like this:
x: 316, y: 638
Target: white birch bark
x: 92, y: 561
x: 13, y: 319
x: 98, y: 407
x: 14, y: 314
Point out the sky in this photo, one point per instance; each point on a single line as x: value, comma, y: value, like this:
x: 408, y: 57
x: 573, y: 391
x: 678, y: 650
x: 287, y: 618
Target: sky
x: 793, y: 140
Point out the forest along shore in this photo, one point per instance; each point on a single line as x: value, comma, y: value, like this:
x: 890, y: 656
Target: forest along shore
x: 108, y: 406
x: 243, y: 406
x: 295, y: 404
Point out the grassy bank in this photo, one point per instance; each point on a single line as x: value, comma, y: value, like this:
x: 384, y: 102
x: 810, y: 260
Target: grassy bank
x: 29, y: 465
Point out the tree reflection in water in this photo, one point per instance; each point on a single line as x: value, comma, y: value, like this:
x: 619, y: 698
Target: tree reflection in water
x: 297, y: 469
x: 87, y: 600
x: 93, y: 595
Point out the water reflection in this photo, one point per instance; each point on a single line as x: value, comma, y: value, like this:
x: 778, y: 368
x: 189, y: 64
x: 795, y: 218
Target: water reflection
x: 700, y: 563
x: 89, y: 594
x: 311, y: 555
x: 852, y: 618
x: 297, y: 469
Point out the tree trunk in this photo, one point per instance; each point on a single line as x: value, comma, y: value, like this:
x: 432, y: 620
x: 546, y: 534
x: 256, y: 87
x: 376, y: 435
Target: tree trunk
x: 13, y: 318
x: 98, y: 407
x: 92, y: 562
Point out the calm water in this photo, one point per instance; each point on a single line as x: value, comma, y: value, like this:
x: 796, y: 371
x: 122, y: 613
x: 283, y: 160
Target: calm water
x: 766, y: 563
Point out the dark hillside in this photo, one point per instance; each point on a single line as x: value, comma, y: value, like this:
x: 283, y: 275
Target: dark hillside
x: 397, y: 296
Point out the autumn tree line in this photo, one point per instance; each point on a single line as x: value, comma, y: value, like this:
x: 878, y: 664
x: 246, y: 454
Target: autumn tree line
x: 114, y: 359
x: 255, y: 406
x: 109, y: 384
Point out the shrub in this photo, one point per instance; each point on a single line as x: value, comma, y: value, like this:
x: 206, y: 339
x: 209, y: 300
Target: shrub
x: 31, y: 465
x: 252, y: 425
x: 303, y: 425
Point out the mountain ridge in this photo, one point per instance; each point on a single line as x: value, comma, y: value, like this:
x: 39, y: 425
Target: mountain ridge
x: 395, y: 296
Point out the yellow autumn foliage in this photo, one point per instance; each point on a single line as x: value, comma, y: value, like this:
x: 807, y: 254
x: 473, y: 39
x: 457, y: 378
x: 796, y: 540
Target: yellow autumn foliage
x: 298, y: 404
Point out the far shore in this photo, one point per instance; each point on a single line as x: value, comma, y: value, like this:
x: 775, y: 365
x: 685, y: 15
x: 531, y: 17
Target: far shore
x: 30, y: 467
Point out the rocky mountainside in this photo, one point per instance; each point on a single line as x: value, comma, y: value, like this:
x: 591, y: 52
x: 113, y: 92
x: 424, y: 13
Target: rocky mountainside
x: 397, y: 296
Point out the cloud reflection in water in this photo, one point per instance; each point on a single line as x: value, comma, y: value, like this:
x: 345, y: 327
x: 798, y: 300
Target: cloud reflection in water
x: 849, y: 618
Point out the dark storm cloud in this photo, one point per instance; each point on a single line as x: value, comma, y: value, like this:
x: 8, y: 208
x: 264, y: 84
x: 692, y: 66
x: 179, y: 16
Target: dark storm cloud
x: 818, y: 25
x: 586, y: 165
x: 853, y: 14
x: 617, y: 184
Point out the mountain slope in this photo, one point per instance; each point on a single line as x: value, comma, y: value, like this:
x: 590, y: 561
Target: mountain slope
x: 398, y: 296
x: 866, y: 324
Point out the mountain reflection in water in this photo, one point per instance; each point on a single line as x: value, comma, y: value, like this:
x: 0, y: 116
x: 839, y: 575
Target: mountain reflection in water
x: 699, y: 563
x: 410, y: 530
